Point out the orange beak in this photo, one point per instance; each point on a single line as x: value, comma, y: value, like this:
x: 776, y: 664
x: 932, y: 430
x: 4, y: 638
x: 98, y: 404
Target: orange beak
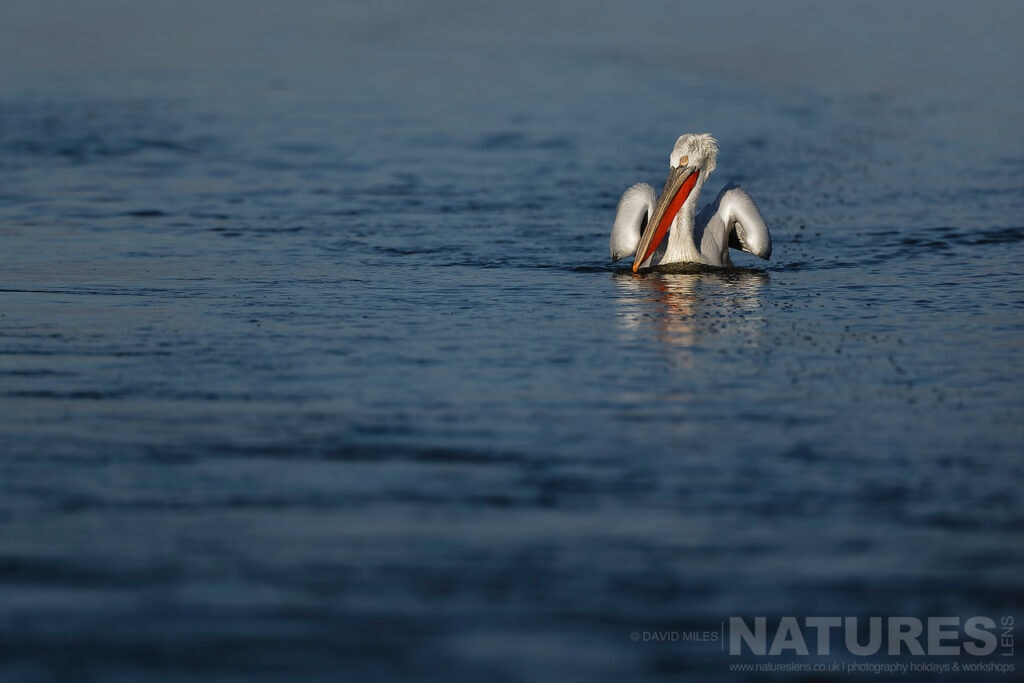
x: 680, y: 183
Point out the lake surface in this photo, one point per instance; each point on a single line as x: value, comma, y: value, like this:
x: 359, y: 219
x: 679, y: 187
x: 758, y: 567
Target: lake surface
x: 313, y: 365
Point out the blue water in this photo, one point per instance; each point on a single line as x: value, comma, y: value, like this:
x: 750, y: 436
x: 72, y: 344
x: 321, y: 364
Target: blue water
x: 313, y: 365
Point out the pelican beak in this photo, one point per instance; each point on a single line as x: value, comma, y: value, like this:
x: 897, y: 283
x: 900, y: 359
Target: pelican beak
x: 680, y: 183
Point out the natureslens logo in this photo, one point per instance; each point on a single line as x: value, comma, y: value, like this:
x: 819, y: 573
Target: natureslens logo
x: 977, y: 636
x: 894, y: 645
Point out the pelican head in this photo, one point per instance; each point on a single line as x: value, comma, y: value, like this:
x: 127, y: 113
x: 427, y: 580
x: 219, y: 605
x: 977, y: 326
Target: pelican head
x: 697, y: 150
x: 693, y: 158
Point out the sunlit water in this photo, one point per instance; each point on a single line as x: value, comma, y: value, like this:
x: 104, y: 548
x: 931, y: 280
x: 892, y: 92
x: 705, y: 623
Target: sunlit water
x: 321, y: 369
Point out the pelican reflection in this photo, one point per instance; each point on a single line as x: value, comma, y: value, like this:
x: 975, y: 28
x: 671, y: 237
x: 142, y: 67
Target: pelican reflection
x: 692, y: 307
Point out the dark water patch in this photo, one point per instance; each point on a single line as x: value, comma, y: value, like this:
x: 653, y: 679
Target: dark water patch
x: 948, y: 238
x: 85, y: 352
x: 244, y: 642
x: 145, y: 213
x: 227, y: 232
x: 22, y: 570
x: 995, y: 236
x: 503, y: 140
x: 37, y: 372
x: 609, y: 268
x: 583, y: 269
x: 428, y: 455
x: 93, y: 130
x: 263, y: 231
x: 146, y: 292
x: 925, y: 243
x: 413, y: 251
x: 867, y: 248
x: 479, y: 205
x: 699, y: 268
x: 516, y: 140
x: 76, y: 395
x: 803, y: 452
x: 887, y: 496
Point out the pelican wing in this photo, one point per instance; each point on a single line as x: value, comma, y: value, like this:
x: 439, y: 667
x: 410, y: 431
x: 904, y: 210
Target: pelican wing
x: 744, y: 222
x: 631, y: 218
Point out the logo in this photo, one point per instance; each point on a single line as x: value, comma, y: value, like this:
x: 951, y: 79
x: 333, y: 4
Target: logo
x: 978, y: 636
x: 897, y: 645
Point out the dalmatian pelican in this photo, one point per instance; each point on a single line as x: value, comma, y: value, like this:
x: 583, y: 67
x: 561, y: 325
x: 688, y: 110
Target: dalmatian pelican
x: 644, y: 220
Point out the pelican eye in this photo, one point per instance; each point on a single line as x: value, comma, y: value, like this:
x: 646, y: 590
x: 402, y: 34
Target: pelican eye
x: 683, y: 160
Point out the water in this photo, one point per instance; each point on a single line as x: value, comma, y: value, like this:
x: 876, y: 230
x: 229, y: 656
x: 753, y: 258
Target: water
x: 313, y: 365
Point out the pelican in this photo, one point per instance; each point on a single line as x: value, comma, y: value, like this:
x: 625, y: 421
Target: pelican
x: 732, y: 220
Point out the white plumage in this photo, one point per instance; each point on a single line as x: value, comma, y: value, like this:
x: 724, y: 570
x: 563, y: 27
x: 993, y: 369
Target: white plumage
x: 731, y: 220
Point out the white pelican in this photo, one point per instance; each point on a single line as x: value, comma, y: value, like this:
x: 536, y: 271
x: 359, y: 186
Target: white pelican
x: 732, y: 220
